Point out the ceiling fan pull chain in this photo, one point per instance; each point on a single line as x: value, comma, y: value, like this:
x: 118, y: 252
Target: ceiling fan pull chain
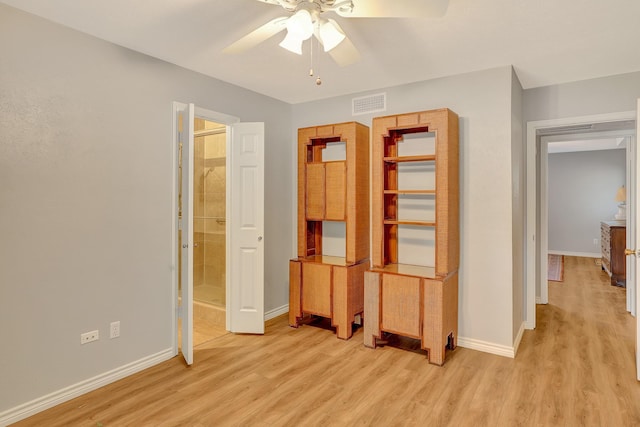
x: 318, y: 81
x: 311, y: 58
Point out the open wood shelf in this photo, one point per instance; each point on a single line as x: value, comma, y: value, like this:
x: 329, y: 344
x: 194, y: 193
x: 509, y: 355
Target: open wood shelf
x: 410, y: 192
x: 402, y: 159
x: 401, y: 298
x: 409, y: 222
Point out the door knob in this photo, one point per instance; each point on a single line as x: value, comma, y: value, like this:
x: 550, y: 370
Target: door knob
x: 629, y: 251
x: 259, y: 238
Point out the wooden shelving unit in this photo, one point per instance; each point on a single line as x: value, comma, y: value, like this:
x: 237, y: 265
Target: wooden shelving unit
x: 331, y: 190
x: 412, y: 288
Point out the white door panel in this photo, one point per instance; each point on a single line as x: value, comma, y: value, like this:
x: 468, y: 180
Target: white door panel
x: 186, y: 307
x: 635, y: 240
x: 245, y: 286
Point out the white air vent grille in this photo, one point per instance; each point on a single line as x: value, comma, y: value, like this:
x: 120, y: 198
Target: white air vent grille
x: 369, y: 104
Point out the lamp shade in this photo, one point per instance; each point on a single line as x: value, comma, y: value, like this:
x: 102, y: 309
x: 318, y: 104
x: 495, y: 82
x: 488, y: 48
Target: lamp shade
x: 621, y: 195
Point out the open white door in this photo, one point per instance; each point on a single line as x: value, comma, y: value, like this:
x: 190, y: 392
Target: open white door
x: 635, y: 240
x: 631, y: 222
x: 245, y: 219
x: 186, y: 306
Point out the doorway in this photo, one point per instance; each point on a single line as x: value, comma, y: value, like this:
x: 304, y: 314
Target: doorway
x: 209, y: 230
x: 537, y: 249
x: 239, y: 230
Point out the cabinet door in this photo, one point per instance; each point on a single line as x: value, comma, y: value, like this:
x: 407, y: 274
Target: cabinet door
x: 315, y: 191
x: 316, y: 289
x: 335, y: 191
x: 401, y: 302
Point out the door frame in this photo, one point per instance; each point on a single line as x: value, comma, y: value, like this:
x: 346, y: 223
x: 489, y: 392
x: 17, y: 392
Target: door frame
x: 533, y: 253
x: 209, y: 115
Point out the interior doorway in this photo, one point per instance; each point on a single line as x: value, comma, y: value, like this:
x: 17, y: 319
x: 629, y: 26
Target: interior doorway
x: 537, y: 222
x: 241, y: 268
x: 209, y: 230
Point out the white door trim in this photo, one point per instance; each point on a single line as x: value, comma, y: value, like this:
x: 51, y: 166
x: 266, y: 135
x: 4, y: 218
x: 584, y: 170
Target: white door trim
x: 207, y: 115
x: 532, y: 203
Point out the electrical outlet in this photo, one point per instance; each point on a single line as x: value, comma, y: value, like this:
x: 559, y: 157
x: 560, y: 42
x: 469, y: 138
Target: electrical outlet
x: 595, y: 242
x: 114, y: 330
x: 89, y: 336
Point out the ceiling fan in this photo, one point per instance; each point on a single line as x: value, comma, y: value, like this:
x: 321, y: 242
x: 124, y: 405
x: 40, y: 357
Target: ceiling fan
x: 308, y: 18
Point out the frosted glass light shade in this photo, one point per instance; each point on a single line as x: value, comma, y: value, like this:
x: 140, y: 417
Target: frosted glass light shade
x: 300, y: 25
x: 292, y: 43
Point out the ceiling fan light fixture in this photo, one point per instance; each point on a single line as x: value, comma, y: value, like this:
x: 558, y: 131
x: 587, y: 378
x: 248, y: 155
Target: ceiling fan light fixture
x: 292, y: 43
x: 300, y: 24
x: 330, y: 35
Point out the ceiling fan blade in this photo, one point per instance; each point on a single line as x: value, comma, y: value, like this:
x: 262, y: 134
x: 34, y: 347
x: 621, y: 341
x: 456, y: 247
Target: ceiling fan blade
x: 396, y: 9
x: 257, y: 36
x: 345, y: 53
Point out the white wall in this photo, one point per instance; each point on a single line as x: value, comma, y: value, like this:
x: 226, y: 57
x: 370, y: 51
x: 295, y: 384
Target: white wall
x: 582, y: 189
x: 483, y: 101
x: 85, y: 201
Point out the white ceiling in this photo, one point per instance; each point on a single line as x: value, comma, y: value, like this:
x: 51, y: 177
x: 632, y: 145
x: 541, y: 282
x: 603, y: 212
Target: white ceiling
x: 547, y: 41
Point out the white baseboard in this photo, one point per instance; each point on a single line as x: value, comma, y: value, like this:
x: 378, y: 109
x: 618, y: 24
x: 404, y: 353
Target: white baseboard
x: 516, y: 342
x: 276, y: 312
x: 486, y: 347
x: 580, y: 254
x: 28, y: 409
x: 538, y: 300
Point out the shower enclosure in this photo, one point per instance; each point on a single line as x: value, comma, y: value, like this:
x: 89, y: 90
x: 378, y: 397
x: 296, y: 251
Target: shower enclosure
x: 209, y: 209
x: 209, y: 230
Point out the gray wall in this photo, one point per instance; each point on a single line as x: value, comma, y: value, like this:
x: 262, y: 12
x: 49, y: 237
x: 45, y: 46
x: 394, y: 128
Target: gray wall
x: 582, y: 187
x: 584, y: 98
x: 85, y: 201
x: 483, y: 100
x: 518, y: 182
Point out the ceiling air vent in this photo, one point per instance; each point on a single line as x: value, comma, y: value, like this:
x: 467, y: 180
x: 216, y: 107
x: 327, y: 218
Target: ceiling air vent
x: 369, y: 104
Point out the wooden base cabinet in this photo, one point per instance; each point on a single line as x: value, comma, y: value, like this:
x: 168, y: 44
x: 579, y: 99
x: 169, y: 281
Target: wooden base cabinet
x: 323, y: 289
x: 415, y: 307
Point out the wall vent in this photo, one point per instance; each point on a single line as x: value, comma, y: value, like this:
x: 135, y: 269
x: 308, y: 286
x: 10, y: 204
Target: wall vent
x: 369, y: 104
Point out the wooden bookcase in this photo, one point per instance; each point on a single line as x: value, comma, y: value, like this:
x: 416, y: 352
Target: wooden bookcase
x: 331, y: 285
x: 412, y: 288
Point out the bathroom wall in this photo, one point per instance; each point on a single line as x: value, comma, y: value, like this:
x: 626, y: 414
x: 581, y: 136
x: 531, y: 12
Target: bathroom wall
x: 209, y: 205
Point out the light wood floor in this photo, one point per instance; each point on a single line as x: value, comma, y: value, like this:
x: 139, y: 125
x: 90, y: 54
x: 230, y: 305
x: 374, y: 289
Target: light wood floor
x: 576, y: 369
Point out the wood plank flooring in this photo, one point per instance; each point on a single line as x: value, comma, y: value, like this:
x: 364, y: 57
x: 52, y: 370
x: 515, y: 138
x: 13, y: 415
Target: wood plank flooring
x: 576, y: 369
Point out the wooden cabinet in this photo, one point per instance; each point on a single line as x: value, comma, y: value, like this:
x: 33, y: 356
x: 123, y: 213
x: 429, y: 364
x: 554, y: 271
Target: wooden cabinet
x: 412, y: 288
x: 612, y: 243
x: 333, y: 187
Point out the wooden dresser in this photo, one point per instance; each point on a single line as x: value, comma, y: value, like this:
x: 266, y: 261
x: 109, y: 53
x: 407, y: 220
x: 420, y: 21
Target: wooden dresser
x: 612, y: 243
